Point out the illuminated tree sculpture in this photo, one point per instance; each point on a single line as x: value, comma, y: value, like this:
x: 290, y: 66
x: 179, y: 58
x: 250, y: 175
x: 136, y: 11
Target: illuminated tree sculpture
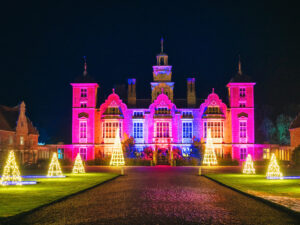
x: 210, y: 157
x: 11, y: 173
x: 54, y: 168
x: 248, y: 167
x: 78, y: 165
x: 117, y: 157
x: 274, y: 169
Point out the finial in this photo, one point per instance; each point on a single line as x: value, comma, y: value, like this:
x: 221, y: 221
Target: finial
x: 213, y: 90
x: 85, y: 66
x: 113, y: 90
x: 240, y: 66
x: 162, y: 44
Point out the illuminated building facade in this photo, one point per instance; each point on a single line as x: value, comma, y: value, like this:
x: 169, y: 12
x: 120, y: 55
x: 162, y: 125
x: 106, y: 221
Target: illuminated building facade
x: 163, y: 123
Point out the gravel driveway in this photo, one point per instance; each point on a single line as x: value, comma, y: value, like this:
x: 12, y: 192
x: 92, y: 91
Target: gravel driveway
x: 159, y: 195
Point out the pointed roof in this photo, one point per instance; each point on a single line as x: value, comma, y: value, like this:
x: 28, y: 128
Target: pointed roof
x: 85, y: 77
x: 240, y: 77
x: 162, y: 48
x: 9, y: 117
x: 296, y: 122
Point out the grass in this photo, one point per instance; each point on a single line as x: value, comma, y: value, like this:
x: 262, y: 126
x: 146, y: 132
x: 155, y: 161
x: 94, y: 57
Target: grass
x: 19, y: 199
x: 258, y: 184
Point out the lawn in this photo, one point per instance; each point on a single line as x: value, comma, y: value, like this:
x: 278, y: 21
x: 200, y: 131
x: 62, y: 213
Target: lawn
x: 18, y: 199
x: 259, y: 185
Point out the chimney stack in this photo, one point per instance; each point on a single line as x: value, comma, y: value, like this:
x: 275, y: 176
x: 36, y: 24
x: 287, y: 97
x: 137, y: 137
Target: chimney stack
x: 191, y: 93
x: 131, y: 92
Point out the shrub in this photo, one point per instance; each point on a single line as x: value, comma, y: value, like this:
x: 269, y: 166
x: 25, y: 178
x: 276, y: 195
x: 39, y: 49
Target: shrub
x: 227, y: 162
x: 191, y: 161
x: 296, y: 156
x: 99, y: 162
x: 137, y: 162
x: 65, y: 162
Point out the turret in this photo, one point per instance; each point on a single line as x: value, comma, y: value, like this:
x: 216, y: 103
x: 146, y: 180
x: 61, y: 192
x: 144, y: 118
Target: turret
x: 241, y: 102
x: 84, y: 112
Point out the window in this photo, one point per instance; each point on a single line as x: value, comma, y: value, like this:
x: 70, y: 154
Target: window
x: 82, y: 152
x: 162, y: 130
x: 187, y: 129
x: 186, y: 151
x: 60, y: 153
x: 138, y: 114
x: 242, y: 104
x: 162, y: 110
x: 216, y: 128
x: 266, y: 154
x: 10, y: 140
x: 243, y: 153
x: 21, y: 140
x: 243, y: 129
x: 109, y: 129
x: 83, y: 105
x: 187, y: 114
x: 138, y: 130
x: 112, y: 111
x: 83, y: 93
x: 213, y: 110
x: 242, y: 92
x: 83, y: 131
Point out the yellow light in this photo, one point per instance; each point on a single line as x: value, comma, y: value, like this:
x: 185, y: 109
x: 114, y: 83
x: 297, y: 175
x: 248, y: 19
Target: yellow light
x: 78, y: 165
x: 117, y: 157
x: 248, y: 167
x: 209, y: 157
x: 274, y: 169
x: 11, y: 173
x: 54, y: 168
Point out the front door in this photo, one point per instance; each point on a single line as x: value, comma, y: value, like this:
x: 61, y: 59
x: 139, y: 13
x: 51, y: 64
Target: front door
x: 163, y: 156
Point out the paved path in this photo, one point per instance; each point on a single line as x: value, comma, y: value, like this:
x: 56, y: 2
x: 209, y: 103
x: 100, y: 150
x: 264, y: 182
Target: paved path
x: 159, y: 195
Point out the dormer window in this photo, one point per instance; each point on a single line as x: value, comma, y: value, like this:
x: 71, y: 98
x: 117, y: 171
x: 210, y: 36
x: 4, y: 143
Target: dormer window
x: 162, y: 110
x: 83, y: 93
x: 187, y: 114
x: 213, y: 110
x: 21, y: 140
x: 138, y: 114
x: 242, y: 92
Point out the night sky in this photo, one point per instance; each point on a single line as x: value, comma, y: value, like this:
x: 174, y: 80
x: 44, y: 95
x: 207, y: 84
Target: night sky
x: 42, y: 49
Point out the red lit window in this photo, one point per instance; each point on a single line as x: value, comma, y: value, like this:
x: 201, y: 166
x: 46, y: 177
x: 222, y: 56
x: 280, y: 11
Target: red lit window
x: 83, y: 93
x: 242, y: 92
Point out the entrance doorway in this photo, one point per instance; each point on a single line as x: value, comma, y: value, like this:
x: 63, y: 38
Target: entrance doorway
x: 163, y: 156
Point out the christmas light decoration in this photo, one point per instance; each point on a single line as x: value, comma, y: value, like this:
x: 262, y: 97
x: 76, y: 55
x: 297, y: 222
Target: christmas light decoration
x: 78, y: 165
x: 248, y: 167
x: 274, y: 169
x: 117, y: 157
x: 210, y: 157
x: 54, y: 168
x: 11, y: 173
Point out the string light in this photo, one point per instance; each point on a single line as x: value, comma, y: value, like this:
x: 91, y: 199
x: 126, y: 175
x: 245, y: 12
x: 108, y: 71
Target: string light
x: 78, y: 165
x: 11, y: 173
x: 274, y: 169
x: 248, y: 167
x: 210, y: 157
x: 117, y: 157
x: 54, y: 168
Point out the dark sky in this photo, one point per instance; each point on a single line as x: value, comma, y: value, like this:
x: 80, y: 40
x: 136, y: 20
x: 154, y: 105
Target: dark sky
x: 42, y: 45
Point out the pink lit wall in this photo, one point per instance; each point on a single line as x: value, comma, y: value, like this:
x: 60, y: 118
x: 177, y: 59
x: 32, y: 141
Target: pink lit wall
x: 242, y: 109
x: 85, y: 113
